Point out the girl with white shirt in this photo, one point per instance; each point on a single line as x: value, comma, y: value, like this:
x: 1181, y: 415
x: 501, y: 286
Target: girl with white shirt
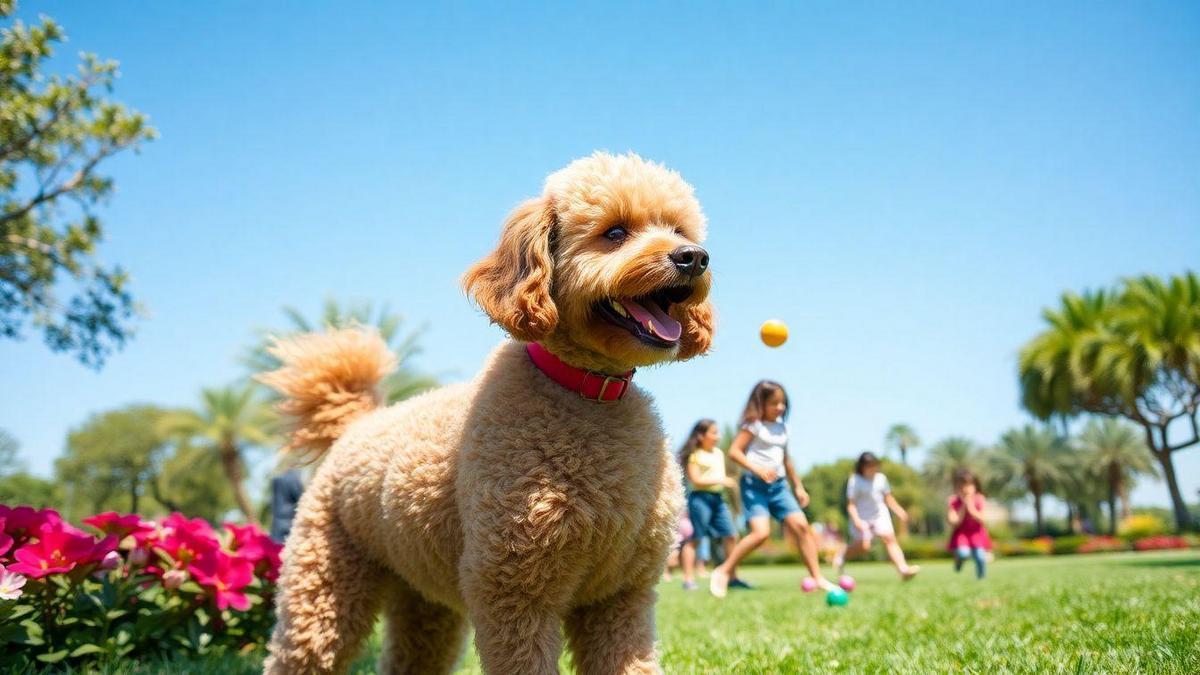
x: 868, y: 498
x: 761, y: 449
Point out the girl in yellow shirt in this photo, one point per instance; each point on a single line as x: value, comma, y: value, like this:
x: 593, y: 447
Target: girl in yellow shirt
x: 704, y: 464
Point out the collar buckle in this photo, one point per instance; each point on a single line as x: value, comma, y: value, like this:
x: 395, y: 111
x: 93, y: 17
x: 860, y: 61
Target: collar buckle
x: 607, y: 379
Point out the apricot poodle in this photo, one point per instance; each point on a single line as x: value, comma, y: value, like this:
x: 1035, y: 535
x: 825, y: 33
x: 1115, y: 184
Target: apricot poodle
x: 535, y: 498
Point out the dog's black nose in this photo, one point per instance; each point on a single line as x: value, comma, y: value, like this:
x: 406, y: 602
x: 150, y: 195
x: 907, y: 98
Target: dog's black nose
x: 691, y: 260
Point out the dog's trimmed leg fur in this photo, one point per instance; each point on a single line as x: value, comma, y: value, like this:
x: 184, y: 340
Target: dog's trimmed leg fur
x: 420, y: 637
x: 329, y: 593
x: 615, y: 635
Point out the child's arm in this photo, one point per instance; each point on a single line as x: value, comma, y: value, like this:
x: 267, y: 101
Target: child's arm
x: 855, y: 521
x: 895, y: 507
x: 737, y: 452
x: 801, y: 493
x: 693, y: 474
x: 976, y: 513
x: 953, y: 515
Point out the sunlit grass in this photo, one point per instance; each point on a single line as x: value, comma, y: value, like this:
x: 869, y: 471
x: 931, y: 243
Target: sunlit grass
x: 1101, y: 613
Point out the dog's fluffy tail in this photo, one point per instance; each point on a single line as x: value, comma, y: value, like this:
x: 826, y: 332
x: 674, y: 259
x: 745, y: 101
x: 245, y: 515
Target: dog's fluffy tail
x: 328, y: 380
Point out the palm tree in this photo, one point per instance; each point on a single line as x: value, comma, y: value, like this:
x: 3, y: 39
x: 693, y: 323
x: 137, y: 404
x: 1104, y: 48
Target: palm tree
x: 902, y: 437
x: 1033, y: 457
x: 228, y: 421
x: 1114, y: 453
x: 405, y: 382
x: 1134, y: 355
x: 950, y: 455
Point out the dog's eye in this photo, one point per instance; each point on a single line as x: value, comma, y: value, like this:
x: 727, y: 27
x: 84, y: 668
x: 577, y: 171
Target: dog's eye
x: 617, y: 234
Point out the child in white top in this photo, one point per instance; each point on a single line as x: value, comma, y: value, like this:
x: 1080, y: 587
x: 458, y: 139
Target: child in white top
x: 770, y: 486
x: 868, y: 497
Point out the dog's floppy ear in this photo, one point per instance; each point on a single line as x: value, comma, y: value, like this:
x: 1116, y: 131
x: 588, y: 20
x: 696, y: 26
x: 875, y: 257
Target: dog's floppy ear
x: 512, y: 283
x: 698, y: 327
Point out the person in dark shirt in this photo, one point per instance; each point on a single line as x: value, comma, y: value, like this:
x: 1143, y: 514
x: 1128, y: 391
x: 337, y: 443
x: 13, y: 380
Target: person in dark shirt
x: 285, y: 493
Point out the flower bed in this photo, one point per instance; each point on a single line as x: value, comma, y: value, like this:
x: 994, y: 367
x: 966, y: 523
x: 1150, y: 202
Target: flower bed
x: 135, y: 589
x: 1102, y: 545
x: 1159, y: 543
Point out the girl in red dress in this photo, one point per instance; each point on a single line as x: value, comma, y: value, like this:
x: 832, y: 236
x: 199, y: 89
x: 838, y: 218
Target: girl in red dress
x: 965, y: 513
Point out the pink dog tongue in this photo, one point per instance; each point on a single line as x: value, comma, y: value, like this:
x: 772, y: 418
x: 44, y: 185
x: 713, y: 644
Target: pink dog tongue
x: 654, y: 319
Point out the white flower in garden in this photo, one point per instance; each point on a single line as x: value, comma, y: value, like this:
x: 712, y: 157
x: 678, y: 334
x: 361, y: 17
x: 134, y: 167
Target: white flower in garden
x: 10, y: 585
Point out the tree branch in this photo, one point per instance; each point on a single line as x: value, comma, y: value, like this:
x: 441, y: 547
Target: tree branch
x: 73, y: 183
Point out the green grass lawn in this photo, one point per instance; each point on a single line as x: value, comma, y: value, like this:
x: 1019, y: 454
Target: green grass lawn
x: 1079, y: 614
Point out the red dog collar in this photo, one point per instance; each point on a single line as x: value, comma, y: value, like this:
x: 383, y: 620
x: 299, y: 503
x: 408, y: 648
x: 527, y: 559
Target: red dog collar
x: 593, y: 386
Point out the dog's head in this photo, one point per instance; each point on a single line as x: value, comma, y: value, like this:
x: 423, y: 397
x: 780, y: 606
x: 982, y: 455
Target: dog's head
x: 605, y: 269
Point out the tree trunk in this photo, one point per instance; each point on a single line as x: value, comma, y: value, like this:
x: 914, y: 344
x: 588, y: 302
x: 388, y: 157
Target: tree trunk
x: 1037, y: 513
x: 1183, y: 519
x: 133, y: 496
x: 1114, y: 488
x: 231, y: 461
x: 1112, y: 509
x: 903, y: 455
x: 156, y: 492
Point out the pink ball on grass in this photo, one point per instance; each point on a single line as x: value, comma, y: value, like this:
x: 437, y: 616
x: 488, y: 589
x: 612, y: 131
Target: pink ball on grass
x: 808, y: 585
x: 846, y: 582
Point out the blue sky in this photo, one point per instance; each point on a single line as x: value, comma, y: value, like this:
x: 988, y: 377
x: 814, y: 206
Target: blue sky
x: 905, y: 185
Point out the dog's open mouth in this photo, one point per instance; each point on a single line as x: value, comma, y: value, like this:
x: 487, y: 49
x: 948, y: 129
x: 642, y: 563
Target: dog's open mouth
x: 647, y: 317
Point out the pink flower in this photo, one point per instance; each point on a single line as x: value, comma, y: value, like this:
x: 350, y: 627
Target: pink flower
x: 253, y: 545
x: 110, y: 561
x: 10, y: 584
x: 117, y: 525
x: 225, y: 575
x: 6, y: 540
x: 172, y: 579
x: 184, y: 540
x: 23, y: 522
x: 55, y: 551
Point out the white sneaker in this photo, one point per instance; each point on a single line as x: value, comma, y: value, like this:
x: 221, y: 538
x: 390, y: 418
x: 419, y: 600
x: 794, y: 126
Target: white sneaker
x: 718, y: 583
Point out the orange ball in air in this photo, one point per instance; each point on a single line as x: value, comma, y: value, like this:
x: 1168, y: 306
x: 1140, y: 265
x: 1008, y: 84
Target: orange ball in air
x: 773, y: 333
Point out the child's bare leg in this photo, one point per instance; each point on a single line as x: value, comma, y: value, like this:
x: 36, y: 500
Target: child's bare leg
x: 896, y: 554
x: 856, y: 549
x: 729, y: 543
x: 760, y: 529
x: 672, y: 563
x: 797, y: 522
x: 688, y: 556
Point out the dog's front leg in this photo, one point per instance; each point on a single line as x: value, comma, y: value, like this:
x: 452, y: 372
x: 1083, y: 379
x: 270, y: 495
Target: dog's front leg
x: 615, y: 635
x: 517, y: 591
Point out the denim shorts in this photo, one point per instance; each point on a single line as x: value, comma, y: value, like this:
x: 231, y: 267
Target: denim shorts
x: 760, y: 498
x: 709, y: 515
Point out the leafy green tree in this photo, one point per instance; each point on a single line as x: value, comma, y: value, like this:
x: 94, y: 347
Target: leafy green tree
x: 405, y: 382
x: 192, y: 481
x: 903, y: 438
x: 1034, y: 458
x: 18, y: 486
x: 1134, y: 354
x: 1115, y: 454
x: 110, y: 459
x: 8, y: 453
x: 55, y: 130
x: 228, y: 421
x: 23, y: 488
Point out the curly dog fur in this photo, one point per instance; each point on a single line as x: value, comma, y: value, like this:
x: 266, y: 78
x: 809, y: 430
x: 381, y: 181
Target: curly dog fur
x: 508, y: 501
